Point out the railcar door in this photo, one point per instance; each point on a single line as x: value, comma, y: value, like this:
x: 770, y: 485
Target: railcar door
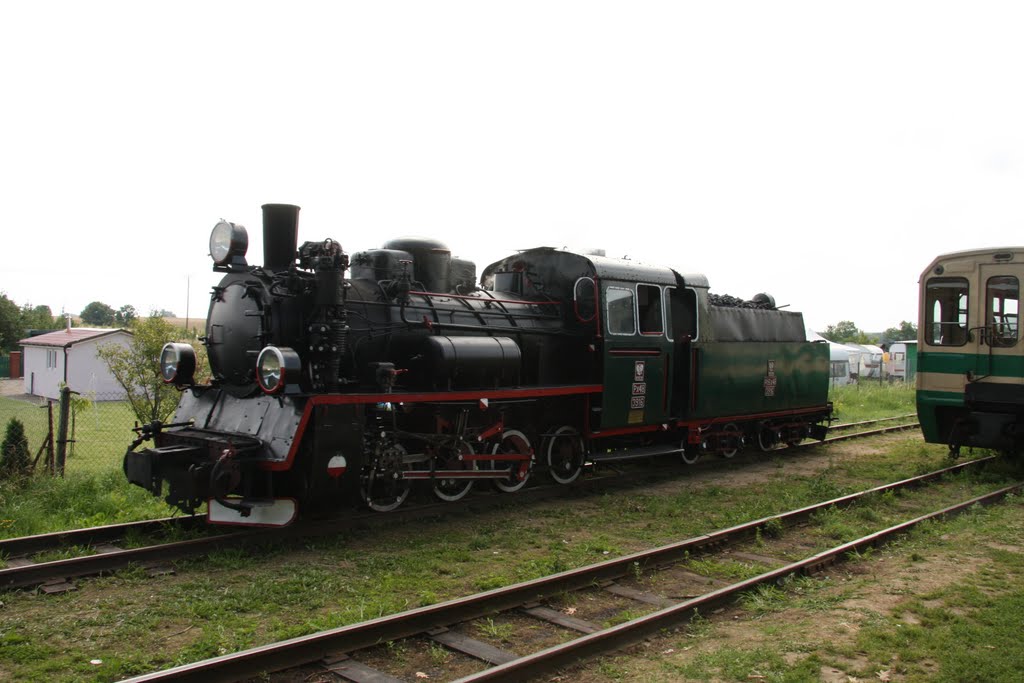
x: 637, y: 356
x: 1000, y: 360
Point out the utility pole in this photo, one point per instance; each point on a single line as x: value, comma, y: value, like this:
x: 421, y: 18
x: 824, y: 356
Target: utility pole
x: 188, y: 285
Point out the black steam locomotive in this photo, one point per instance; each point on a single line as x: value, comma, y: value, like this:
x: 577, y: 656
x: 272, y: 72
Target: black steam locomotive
x: 329, y: 390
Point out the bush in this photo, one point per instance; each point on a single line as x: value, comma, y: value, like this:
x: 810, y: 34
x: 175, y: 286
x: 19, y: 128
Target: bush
x: 14, y: 457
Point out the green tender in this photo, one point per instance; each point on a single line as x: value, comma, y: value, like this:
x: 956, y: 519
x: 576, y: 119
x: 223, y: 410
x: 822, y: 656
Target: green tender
x: 733, y: 377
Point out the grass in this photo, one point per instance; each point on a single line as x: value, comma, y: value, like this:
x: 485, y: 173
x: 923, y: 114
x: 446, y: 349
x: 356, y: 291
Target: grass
x: 869, y: 400
x: 43, y: 504
x: 93, y: 491
x: 239, y: 599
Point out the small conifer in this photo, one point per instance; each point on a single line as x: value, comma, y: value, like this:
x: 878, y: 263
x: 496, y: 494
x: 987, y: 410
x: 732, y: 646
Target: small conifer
x: 14, y: 455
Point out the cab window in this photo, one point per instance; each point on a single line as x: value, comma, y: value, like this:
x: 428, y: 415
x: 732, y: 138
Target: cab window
x: 619, y: 311
x: 681, y: 313
x: 648, y: 303
x: 946, y: 311
x: 1002, y: 294
x: 585, y: 299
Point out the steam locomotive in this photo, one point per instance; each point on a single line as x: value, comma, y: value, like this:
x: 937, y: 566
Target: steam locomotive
x: 331, y: 390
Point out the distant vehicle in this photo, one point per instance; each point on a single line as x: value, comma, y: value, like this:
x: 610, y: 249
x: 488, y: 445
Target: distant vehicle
x: 970, y: 372
x: 868, y: 362
x: 839, y: 374
x: 903, y: 361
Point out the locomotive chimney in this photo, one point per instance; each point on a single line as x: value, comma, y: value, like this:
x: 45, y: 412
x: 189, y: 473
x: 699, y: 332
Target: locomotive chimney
x: 280, y: 235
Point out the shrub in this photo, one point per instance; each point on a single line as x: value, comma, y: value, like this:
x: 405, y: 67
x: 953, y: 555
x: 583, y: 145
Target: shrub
x: 14, y: 456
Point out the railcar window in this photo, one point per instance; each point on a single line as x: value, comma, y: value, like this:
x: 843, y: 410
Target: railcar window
x: 1003, y: 295
x: 648, y: 302
x: 619, y: 313
x: 946, y: 311
x: 509, y: 282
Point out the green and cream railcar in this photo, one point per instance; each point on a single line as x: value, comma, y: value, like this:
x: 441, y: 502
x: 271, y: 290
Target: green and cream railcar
x: 970, y: 379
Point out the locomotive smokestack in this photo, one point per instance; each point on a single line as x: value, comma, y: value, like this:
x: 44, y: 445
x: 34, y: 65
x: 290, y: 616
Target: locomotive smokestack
x: 280, y: 235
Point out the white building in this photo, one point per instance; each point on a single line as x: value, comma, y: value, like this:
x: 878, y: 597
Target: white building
x: 69, y: 357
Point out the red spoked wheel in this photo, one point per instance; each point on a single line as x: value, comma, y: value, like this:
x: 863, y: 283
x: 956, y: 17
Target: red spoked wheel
x: 513, y: 442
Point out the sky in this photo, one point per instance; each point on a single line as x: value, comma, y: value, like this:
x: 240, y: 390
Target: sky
x: 821, y: 152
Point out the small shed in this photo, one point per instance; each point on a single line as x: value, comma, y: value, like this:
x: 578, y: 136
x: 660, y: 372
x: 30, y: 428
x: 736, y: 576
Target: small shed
x: 69, y: 356
x: 903, y: 360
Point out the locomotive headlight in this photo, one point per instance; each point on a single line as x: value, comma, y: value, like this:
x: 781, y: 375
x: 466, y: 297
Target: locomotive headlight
x: 277, y: 369
x: 228, y: 241
x: 178, y: 364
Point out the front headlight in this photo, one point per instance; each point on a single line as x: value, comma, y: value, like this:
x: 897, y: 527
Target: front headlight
x: 177, y: 364
x: 277, y: 369
x: 228, y: 241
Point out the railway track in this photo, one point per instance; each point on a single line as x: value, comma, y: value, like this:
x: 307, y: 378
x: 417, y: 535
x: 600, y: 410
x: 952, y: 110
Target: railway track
x: 348, y: 652
x: 102, y: 550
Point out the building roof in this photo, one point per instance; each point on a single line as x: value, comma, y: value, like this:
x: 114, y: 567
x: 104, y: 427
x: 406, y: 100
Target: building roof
x: 66, y: 338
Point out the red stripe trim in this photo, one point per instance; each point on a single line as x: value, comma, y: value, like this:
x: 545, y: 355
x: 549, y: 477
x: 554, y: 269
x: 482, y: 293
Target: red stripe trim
x: 441, y: 295
x: 683, y: 424
x: 422, y: 397
x: 634, y: 352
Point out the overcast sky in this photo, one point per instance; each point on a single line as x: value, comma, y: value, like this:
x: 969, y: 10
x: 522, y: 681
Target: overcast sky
x: 822, y: 152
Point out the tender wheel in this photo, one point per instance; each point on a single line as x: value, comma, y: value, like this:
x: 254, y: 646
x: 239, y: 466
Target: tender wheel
x: 766, y: 439
x: 565, y: 455
x: 513, y: 442
x: 454, y: 488
x: 382, y: 487
x: 731, y: 433
x: 688, y: 454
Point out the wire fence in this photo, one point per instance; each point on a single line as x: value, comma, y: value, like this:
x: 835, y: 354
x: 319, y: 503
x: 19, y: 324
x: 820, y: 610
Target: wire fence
x: 99, y: 430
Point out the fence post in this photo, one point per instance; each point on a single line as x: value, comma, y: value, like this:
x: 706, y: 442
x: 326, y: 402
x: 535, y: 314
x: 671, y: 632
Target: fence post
x: 62, y: 430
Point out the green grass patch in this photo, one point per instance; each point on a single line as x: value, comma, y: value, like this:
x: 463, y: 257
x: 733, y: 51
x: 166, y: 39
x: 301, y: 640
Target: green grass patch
x: 869, y: 400
x: 43, y: 504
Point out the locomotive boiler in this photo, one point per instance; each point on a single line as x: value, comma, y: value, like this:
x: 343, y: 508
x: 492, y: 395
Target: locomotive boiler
x: 340, y: 381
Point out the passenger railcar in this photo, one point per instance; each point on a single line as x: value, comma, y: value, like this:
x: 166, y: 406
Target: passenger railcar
x: 330, y: 389
x: 970, y: 365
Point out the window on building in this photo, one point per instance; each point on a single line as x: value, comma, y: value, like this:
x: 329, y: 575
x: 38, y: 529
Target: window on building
x: 946, y: 311
x: 648, y: 302
x: 619, y: 311
x: 840, y: 368
x: 1002, y: 295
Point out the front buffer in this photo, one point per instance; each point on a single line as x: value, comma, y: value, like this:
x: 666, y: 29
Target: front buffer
x: 240, y: 456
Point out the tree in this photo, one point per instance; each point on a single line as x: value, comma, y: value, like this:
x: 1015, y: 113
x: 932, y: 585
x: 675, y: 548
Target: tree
x: 125, y: 315
x: 162, y: 313
x: 137, y: 368
x: 38, y: 318
x: 10, y: 323
x: 98, y: 313
x: 845, y: 331
x: 14, y: 456
x: 906, y: 331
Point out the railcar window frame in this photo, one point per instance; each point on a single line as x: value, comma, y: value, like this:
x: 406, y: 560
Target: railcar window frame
x: 1002, y: 332
x: 646, y: 313
x: 614, y: 317
x: 942, y: 293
